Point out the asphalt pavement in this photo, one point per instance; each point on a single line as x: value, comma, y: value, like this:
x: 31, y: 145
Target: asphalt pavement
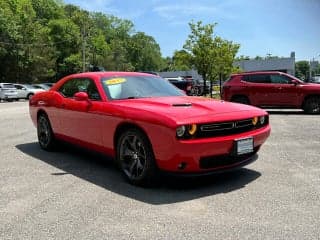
x: 75, y: 194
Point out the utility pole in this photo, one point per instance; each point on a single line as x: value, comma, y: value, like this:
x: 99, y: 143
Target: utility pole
x: 84, y: 49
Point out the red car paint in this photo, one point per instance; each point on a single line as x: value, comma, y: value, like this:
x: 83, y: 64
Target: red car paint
x: 93, y: 124
x: 276, y: 90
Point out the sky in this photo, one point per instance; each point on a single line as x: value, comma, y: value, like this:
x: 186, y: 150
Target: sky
x: 261, y: 27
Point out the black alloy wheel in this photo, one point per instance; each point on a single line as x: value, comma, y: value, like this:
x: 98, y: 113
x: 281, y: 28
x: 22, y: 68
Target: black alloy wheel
x: 135, y: 158
x: 312, y: 105
x: 45, y: 134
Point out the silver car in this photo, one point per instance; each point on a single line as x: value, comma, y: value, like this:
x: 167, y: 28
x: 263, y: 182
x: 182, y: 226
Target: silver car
x: 8, y: 92
x: 26, y: 91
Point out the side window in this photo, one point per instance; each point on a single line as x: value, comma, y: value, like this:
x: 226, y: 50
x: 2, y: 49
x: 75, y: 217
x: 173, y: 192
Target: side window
x: 69, y: 88
x: 92, y: 90
x: 257, y: 78
x: 80, y: 85
x: 280, y: 79
x: 18, y: 86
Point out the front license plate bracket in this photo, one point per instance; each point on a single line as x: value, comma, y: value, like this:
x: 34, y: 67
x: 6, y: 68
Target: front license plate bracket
x: 243, y: 146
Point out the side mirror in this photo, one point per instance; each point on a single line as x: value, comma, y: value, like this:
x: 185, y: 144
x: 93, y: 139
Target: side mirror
x: 295, y: 82
x: 81, y: 96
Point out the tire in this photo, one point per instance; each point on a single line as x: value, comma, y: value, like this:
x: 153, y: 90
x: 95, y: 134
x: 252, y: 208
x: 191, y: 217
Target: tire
x: 312, y: 105
x: 136, y: 159
x: 240, y: 99
x: 29, y: 96
x: 45, y: 134
x: 194, y: 91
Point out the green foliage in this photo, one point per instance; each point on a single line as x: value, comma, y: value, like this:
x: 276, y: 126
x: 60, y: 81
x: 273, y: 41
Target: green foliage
x: 44, y: 40
x: 182, y: 61
x: 211, y: 55
x: 302, y: 69
x: 144, y: 53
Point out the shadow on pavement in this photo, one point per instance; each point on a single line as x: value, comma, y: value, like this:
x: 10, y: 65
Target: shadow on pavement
x: 96, y: 169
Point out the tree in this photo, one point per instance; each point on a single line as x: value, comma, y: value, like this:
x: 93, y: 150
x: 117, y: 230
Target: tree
x: 302, y: 69
x: 212, y: 56
x: 182, y: 60
x: 44, y: 40
x: 242, y: 57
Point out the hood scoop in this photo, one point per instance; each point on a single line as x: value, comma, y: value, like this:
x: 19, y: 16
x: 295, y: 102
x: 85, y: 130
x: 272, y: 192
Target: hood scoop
x: 182, y: 104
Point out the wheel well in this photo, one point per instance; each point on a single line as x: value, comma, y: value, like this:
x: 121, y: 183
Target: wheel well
x: 307, y: 97
x: 124, y: 127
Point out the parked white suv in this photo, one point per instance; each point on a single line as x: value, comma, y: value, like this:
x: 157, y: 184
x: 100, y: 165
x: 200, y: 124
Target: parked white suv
x: 26, y: 91
x: 8, y: 92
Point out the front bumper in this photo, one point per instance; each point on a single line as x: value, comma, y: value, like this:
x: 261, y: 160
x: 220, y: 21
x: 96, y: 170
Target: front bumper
x: 201, y: 156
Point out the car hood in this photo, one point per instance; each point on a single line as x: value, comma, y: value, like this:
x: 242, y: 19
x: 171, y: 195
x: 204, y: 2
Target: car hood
x: 185, y: 109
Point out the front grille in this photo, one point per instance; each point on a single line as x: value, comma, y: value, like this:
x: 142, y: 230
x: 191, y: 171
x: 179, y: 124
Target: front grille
x: 223, y: 160
x: 227, y: 128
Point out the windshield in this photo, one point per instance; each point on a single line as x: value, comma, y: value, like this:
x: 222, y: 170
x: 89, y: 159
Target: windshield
x: 127, y: 87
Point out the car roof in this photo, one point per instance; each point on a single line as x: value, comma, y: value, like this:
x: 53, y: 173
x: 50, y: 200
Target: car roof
x: 258, y: 72
x: 109, y: 74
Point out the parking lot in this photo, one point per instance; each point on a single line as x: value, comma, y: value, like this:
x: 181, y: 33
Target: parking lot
x: 74, y: 194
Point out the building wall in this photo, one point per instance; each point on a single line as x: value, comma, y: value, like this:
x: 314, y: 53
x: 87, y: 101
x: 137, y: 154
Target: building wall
x: 273, y: 64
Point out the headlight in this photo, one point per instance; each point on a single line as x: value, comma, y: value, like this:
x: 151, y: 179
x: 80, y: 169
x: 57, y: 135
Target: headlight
x: 180, y: 131
x: 262, y: 120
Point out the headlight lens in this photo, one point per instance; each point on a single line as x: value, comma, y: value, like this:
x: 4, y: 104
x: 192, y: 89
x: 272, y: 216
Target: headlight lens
x: 262, y: 120
x: 180, y: 131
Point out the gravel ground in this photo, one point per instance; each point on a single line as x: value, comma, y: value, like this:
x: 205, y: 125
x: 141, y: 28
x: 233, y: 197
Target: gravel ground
x: 73, y: 194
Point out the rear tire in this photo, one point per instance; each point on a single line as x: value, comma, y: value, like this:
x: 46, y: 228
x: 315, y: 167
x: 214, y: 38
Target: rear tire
x: 29, y: 96
x: 46, y: 137
x: 312, y: 105
x: 241, y: 99
x: 136, y: 159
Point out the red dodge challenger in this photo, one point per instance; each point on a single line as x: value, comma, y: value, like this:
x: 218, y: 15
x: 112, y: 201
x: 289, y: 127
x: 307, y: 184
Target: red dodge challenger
x: 146, y: 124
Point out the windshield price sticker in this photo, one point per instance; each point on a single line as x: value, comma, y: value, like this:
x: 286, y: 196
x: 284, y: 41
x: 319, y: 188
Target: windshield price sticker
x: 114, y: 81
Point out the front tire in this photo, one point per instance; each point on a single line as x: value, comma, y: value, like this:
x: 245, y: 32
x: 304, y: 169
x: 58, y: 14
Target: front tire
x: 136, y: 159
x: 312, y: 105
x: 46, y: 137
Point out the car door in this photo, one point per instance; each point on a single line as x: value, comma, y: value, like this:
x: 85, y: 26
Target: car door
x: 286, y: 92
x: 258, y: 89
x: 21, y: 91
x: 81, y: 120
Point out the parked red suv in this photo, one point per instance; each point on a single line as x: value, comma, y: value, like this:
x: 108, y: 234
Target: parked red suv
x: 272, y: 89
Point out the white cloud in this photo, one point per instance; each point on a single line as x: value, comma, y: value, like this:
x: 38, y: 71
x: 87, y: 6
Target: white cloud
x: 94, y: 5
x: 180, y: 13
x: 177, y: 11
